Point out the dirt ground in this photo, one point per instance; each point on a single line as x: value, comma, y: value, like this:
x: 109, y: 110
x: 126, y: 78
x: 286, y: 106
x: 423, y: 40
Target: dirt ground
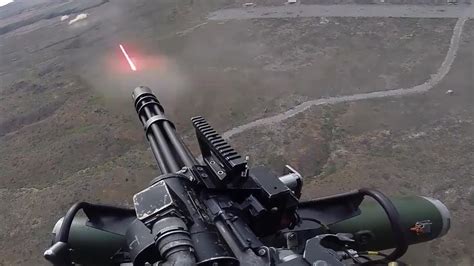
x: 69, y: 132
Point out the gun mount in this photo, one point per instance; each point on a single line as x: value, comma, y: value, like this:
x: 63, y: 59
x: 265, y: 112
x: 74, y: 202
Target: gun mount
x: 220, y: 211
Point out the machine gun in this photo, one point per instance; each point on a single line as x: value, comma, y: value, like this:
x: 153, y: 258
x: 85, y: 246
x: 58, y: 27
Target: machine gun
x: 216, y: 210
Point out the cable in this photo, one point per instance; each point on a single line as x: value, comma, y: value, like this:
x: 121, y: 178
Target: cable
x: 372, y: 253
x: 63, y: 234
x: 375, y: 253
x: 59, y: 252
x: 394, y: 218
x: 316, y: 221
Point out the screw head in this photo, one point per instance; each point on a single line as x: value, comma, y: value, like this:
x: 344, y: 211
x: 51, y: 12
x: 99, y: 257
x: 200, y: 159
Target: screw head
x: 262, y: 252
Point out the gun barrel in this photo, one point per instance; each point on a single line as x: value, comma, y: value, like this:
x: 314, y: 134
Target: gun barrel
x: 169, y: 151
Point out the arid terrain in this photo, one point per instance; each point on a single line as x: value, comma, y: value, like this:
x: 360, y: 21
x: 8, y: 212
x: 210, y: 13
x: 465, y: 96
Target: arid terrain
x: 351, y: 93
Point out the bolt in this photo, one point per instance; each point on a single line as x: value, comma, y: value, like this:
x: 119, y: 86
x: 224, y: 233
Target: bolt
x: 220, y: 172
x: 262, y: 252
x: 204, y: 175
x: 199, y: 168
x: 212, y: 162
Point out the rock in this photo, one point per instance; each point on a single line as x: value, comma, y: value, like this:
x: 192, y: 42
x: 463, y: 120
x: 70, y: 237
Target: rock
x: 449, y: 92
x: 417, y: 135
x: 78, y: 18
x: 249, y: 4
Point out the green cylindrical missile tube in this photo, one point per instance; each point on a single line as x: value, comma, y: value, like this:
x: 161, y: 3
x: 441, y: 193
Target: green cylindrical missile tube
x: 91, y: 246
x: 423, y: 219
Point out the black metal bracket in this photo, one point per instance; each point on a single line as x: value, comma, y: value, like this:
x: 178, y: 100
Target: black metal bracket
x: 226, y: 163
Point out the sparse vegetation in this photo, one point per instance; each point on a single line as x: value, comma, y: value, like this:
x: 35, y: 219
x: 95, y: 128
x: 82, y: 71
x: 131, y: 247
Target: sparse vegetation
x: 63, y: 139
